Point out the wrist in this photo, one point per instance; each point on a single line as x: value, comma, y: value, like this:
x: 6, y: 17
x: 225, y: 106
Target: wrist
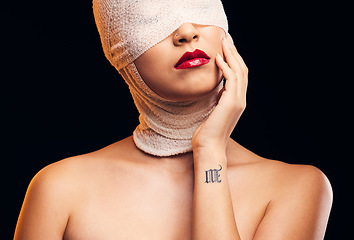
x: 210, y: 167
x: 207, y: 157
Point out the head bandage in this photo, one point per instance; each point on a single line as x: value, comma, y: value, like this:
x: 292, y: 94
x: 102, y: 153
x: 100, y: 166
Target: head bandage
x: 128, y: 28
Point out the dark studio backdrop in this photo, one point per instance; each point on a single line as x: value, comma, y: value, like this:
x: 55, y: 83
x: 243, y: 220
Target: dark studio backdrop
x: 68, y: 100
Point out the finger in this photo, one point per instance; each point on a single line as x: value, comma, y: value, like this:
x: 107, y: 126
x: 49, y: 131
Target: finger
x: 235, y: 64
x: 236, y: 79
x: 240, y: 68
x: 230, y: 38
x: 227, y: 72
x: 231, y: 102
x: 231, y: 42
x: 235, y: 52
x: 233, y: 56
x: 235, y: 61
x: 230, y: 56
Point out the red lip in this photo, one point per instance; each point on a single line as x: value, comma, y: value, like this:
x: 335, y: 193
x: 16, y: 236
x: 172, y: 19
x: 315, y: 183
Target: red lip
x: 192, y: 59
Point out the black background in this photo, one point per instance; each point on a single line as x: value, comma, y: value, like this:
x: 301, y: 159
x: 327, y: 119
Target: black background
x: 62, y: 97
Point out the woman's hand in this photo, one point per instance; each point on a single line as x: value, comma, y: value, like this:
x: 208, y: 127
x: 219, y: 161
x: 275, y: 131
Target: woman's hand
x: 212, y: 198
x: 213, y: 134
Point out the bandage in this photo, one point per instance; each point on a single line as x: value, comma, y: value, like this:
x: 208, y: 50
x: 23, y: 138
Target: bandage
x: 128, y: 28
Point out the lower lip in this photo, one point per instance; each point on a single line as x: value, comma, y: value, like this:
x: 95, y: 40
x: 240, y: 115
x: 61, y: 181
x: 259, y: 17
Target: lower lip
x: 196, y: 62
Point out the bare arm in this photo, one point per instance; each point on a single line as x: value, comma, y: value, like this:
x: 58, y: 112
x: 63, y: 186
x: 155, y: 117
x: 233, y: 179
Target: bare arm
x: 213, y: 216
x: 301, y: 209
x: 44, y: 213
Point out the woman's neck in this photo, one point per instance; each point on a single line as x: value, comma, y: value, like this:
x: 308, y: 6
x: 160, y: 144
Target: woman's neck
x: 166, y: 127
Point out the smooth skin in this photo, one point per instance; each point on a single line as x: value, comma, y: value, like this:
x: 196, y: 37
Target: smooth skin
x: 119, y: 192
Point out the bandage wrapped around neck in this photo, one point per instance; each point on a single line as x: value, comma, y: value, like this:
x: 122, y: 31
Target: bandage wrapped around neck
x: 128, y: 28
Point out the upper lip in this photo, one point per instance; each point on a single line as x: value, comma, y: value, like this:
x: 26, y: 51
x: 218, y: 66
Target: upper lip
x: 197, y: 53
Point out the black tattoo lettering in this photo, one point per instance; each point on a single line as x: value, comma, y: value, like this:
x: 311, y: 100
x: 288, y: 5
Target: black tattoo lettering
x: 212, y: 175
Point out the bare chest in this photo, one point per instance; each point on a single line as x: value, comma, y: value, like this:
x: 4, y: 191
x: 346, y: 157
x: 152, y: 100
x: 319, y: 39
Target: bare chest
x: 136, y: 208
x: 153, y: 211
x: 138, y: 219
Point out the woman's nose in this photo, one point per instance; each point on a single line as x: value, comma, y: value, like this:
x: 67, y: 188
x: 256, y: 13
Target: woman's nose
x: 186, y: 33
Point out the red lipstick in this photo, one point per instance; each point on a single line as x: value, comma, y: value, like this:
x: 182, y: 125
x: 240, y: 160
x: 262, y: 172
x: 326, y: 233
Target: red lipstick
x: 192, y: 59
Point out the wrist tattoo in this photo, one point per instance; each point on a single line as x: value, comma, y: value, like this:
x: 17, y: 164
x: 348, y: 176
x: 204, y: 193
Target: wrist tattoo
x: 212, y: 175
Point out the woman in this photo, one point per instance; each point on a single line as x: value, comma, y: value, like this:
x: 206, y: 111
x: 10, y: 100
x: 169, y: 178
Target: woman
x: 180, y: 176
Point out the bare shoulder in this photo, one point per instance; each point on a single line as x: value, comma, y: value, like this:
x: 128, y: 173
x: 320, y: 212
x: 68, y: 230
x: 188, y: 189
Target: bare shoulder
x: 302, y: 179
x: 282, y: 177
x: 294, y: 200
x: 61, y: 187
x: 48, y: 203
x: 58, y: 175
x: 298, y: 199
x: 293, y: 181
x: 300, y: 202
x: 76, y: 171
x: 57, y: 184
x: 77, y: 167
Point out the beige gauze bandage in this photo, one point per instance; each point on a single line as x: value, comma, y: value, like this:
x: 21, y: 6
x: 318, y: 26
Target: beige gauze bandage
x: 128, y: 28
